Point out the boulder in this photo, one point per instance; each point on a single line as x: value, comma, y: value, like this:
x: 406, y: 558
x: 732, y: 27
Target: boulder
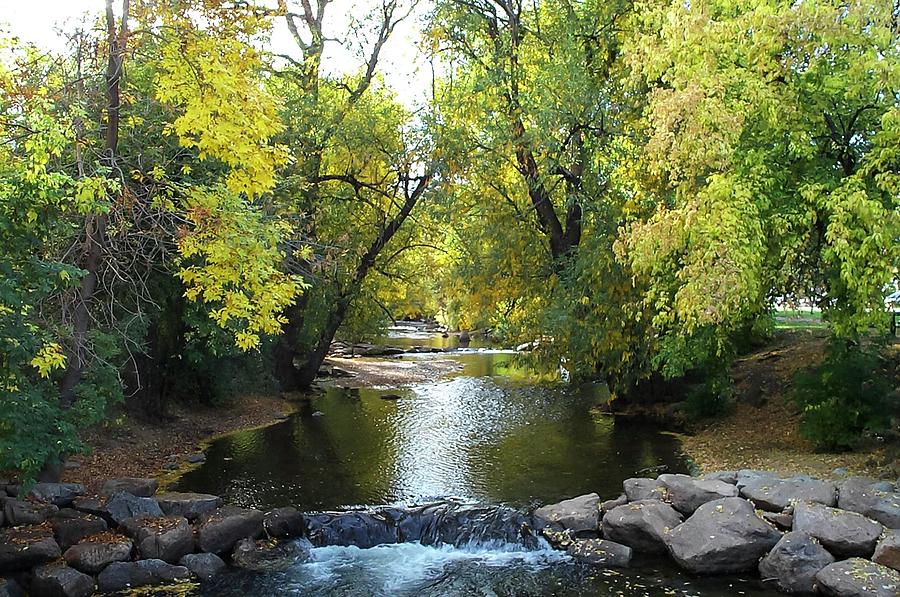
x: 71, y: 526
x: 610, y: 504
x: 10, y: 588
x: 686, y: 494
x: 284, y: 522
x: 125, y: 575
x: 794, y: 562
x: 722, y: 536
x: 580, y: 514
x: 190, y: 505
x: 843, y: 533
x: 134, y: 486
x: 58, y: 494
x: 267, y: 555
x: 857, y: 577
x: 123, y: 505
x: 887, y: 550
x: 729, y: 477
x: 638, y: 489
x: 58, y: 580
x: 781, y: 520
x: 746, y: 476
x: 93, y: 554
x: 166, y: 538
x: 600, y: 552
x: 867, y: 497
x: 777, y: 494
x: 221, y: 529
x: 92, y: 504
x: 24, y: 547
x: 20, y: 512
x: 203, y: 565
x: 641, y: 525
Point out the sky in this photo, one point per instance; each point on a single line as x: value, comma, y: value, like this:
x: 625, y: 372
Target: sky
x: 404, y: 68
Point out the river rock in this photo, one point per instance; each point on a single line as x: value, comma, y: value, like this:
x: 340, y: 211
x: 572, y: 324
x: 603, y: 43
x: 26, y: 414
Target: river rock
x: 126, y: 575
x: 729, y: 477
x: 123, y: 505
x: 284, y: 522
x: 220, y: 530
x: 166, y: 538
x: 58, y: 580
x: 203, y: 565
x: 71, y: 526
x: 887, y: 551
x: 58, y: 494
x: 843, y: 533
x: 864, y: 496
x: 608, y: 505
x: 24, y: 547
x: 722, y: 536
x: 267, y: 555
x: 600, y: 552
x: 794, y: 562
x: 189, y: 505
x: 781, y: 520
x: 857, y: 577
x: 641, y: 525
x: 134, y: 486
x: 368, y: 529
x: 777, y: 494
x: 579, y: 514
x: 20, y: 512
x: 746, y: 476
x: 686, y: 494
x: 93, y: 554
x: 638, y: 489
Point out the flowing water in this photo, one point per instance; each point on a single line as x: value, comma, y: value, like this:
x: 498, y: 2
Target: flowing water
x: 489, y: 434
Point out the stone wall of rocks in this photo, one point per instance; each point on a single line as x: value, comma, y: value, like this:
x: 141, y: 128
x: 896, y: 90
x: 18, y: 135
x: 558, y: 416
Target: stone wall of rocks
x: 803, y: 535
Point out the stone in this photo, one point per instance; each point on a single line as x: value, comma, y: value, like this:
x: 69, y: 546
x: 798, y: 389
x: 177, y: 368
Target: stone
x: 641, y: 525
x: 58, y: 494
x: 600, y: 552
x: 196, y: 458
x: 579, y: 514
x: 10, y: 588
x: 58, y: 580
x: 864, y: 496
x: 284, y: 522
x: 21, y: 512
x: 25, y: 547
x: 794, y: 562
x: 637, y: 489
x: 166, y: 538
x: 729, y: 477
x: 124, y: 575
x: 559, y: 539
x: 203, y: 565
x: 221, y: 529
x: 781, y: 520
x: 857, y: 577
x: 723, y: 536
x: 93, y: 554
x: 746, y: 476
x: 133, y: 485
x: 92, y: 504
x: 123, y: 505
x: 71, y: 526
x: 843, y: 533
x: 686, y: 494
x: 887, y: 550
x: 608, y: 505
x: 189, y: 505
x: 267, y: 555
x: 777, y: 494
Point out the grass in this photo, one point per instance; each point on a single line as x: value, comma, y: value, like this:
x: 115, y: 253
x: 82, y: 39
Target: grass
x: 799, y: 320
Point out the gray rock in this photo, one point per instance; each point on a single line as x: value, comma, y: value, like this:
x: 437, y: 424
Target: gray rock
x: 857, y: 577
x: 133, y: 485
x: 71, y: 526
x: 284, y: 522
x: 781, y: 520
x: 58, y: 494
x: 125, y: 575
x: 24, y: 547
x: 267, y: 555
x: 203, y: 565
x: 637, y: 489
x: 221, y: 529
x: 729, y: 477
x: 686, y: 494
x: 123, y: 505
x: 746, y: 476
x: 189, y: 505
x: 20, y: 512
x: 93, y: 554
x: 843, y: 533
x: 641, y: 525
x: 794, y: 562
x: 92, y: 505
x: 600, y: 552
x: 887, y: 551
x: 10, y: 588
x: 722, y: 536
x: 58, y: 580
x: 777, y: 494
x: 165, y: 538
x: 861, y: 495
x: 610, y: 504
x: 579, y: 514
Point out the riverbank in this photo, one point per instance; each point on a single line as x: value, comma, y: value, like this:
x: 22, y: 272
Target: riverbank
x: 367, y: 372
